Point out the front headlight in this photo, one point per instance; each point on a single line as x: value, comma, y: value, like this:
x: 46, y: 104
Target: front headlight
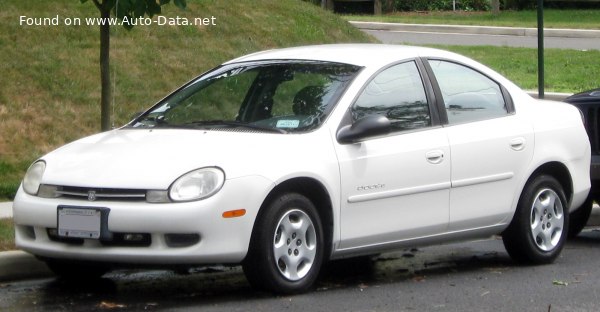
x: 197, y: 184
x: 33, y: 177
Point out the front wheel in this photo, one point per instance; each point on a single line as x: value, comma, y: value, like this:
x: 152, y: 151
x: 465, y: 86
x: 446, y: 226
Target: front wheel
x: 539, y: 228
x: 286, y: 249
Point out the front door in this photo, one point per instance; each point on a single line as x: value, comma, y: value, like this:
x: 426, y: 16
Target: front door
x: 395, y: 187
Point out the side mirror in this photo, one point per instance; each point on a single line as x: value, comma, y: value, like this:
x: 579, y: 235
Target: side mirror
x: 370, y: 126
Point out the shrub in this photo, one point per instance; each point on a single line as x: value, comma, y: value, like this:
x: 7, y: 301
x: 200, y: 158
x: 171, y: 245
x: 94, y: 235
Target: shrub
x: 520, y: 4
x: 441, y: 5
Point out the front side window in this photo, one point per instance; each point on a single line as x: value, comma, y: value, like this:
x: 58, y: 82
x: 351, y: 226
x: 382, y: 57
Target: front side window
x: 398, y: 94
x: 468, y: 95
x: 284, y: 96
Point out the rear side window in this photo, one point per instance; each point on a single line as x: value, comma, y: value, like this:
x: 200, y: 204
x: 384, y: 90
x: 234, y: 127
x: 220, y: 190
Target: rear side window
x: 398, y: 94
x: 468, y: 95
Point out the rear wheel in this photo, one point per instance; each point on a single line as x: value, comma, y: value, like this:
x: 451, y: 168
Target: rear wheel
x: 579, y: 218
x: 539, y: 228
x: 286, y: 249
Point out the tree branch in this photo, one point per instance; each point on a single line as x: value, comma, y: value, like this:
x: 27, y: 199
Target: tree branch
x: 97, y: 4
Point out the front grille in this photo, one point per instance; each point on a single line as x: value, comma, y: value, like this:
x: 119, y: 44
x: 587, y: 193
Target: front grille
x: 125, y: 240
x: 100, y: 193
x: 592, y: 125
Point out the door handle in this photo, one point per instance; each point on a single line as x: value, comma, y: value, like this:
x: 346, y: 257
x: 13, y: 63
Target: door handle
x: 517, y: 144
x: 435, y: 157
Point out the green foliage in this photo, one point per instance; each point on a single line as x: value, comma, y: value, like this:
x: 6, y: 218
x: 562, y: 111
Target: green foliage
x: 520, y: 4
x: 315, y: 2
x: 441, y: 5
x: 135, y: 8
x: 131, y: 9
x: 557, y: 4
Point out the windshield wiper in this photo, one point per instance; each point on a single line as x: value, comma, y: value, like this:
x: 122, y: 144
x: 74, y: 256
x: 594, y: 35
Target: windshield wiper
x: 231, y: 123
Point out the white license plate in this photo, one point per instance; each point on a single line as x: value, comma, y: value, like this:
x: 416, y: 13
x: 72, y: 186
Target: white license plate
x: 79, y: 222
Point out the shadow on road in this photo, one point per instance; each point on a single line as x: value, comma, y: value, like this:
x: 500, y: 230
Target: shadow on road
x: 227, y: 287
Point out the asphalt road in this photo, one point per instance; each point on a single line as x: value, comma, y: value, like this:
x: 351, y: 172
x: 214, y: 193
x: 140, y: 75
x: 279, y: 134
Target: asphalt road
x: 475, y: 276
x: 420, y: 38
x: 465, y: 35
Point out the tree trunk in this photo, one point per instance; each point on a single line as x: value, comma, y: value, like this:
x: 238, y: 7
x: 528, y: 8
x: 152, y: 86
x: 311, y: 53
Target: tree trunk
x: 105, y: 70
x: 377, y: 9
x: 496, y: 7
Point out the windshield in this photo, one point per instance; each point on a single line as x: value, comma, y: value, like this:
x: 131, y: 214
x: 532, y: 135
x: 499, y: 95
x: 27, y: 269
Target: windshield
x: 284, y: 96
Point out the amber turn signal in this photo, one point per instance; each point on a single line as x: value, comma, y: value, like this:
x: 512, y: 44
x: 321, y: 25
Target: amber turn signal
x: 234, y: 213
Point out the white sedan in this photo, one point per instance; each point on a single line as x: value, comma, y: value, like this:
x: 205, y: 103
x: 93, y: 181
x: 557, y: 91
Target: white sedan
x: 284, y: 159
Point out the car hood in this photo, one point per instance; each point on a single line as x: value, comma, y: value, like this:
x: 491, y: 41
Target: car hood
x: 150, y: 159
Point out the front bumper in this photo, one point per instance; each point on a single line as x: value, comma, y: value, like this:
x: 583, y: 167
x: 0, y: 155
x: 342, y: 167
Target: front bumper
x: 219, y: 239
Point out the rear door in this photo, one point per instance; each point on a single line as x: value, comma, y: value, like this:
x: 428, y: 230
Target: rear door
x: 490, y: 145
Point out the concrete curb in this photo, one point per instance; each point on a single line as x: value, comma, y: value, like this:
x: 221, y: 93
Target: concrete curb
x: 18, y: 265
x: 554, y: 96
x: 479, y: 30
x: 5, y: 210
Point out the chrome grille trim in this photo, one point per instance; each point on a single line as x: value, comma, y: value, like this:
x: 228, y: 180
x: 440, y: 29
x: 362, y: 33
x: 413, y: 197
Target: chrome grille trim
x: 102, y: 195
x: 93, y: 194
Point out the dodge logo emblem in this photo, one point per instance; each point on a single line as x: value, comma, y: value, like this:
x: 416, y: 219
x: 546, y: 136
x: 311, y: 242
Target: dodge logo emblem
x: 92, y: 195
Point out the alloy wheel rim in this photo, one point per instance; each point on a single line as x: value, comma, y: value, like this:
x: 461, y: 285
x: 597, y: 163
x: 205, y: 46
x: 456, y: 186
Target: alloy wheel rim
x: 547, y: 219
x: 295, y: 245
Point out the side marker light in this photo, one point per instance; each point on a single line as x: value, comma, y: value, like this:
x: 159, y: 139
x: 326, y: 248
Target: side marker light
x: 234, y: 213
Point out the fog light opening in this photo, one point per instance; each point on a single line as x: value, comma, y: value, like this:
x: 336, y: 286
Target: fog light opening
x: 27, y: 231
x: 181, y: 240
x: 133, y: 237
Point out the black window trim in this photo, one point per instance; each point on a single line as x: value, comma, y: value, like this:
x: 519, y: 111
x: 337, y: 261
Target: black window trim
x: 430, y: 95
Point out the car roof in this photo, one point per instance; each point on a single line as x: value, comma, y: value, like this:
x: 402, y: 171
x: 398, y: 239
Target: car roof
x: 367, y: 55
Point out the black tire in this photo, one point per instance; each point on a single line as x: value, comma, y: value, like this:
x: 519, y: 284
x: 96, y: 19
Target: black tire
x: 579, y: 218
x: 76, y: 270
x: 287, y: 246
x: 529, y: 239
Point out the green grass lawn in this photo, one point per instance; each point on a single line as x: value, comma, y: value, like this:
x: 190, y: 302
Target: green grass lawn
x: 7, y: 235
x: 566, y: 71
x: 50, y: 80
x: 576, y: 19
